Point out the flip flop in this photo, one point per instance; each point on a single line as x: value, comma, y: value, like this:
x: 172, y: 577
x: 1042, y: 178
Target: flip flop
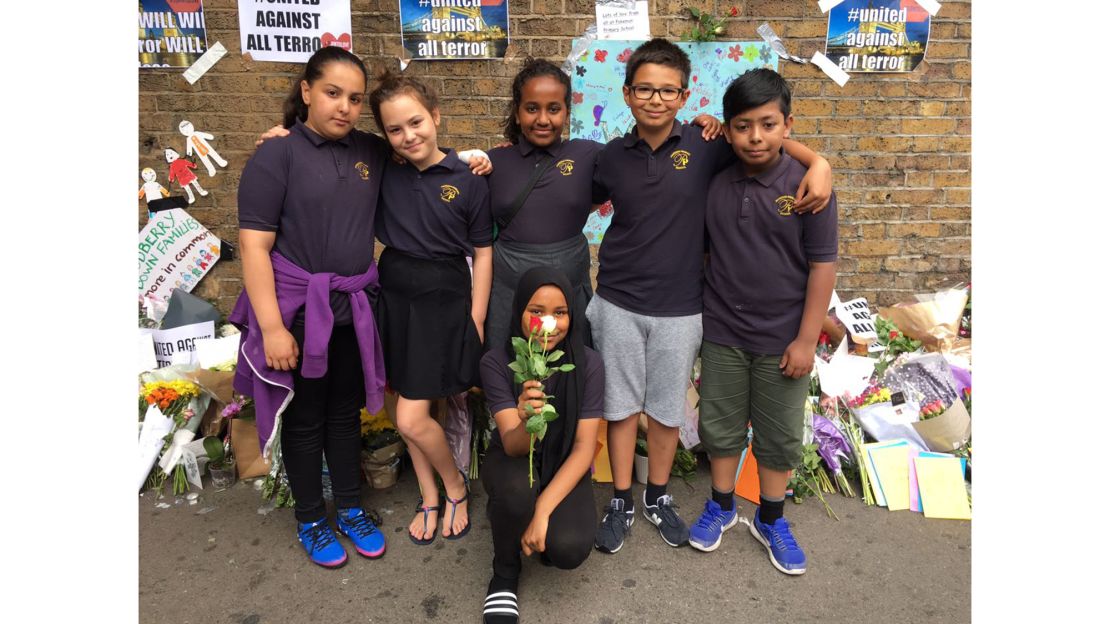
x: 455, y: 502
x: 420, y: 506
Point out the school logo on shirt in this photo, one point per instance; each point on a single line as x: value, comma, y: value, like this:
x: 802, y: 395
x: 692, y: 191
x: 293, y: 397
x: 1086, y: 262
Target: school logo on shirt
x: 363, y: 170
x: 786, y: 205
x: 448, y: 192
x: 680, y: 158
x: 565, y: 166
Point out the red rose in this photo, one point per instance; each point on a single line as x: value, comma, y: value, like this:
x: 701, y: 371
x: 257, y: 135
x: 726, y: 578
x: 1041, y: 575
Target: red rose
x: 733, y: 12
x: 893, y: 334
x: 535, y: 325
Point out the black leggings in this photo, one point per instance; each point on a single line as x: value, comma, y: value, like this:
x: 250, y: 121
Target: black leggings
x: 323, y: 417
x: 570, y: 531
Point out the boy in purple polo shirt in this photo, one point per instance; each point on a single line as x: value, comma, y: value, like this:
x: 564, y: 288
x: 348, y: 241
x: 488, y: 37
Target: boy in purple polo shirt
x: 646, y: 317
x: 768, y: 282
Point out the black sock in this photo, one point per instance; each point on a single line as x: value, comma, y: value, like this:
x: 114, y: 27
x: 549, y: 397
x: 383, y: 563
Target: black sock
x: 769, y: 510
x: 625, y: 495
x: 724, y: 499
x: 500, y: 584
x: 653, y: 492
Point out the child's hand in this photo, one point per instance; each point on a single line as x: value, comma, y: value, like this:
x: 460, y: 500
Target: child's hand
x: 531, y: 393
x: 815, y: 190
x: 273, y: 133
x: 798, y: 359
x: 281, y: 349
x: 478, y: 161
x: 711, y: 126
x: 535, y: 536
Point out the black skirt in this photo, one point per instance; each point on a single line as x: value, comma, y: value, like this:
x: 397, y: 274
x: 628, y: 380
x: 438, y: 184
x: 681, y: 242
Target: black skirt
x: 429, y: 339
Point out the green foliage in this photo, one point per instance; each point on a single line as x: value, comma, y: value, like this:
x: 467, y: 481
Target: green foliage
x: 707, y: 27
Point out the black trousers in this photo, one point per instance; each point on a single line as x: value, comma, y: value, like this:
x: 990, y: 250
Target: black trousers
x: 323, y: 418
x: 570, y: 531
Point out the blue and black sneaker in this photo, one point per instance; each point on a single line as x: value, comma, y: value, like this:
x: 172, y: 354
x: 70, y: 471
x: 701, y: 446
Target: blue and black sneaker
x: 355, y: 524
x: 785, y: 554
x: 320, y: 543
x: 662, y: 514
x: 705, y: 535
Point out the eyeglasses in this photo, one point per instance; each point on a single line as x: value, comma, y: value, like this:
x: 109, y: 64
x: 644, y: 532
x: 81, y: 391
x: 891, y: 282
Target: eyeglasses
x: 644, y: 92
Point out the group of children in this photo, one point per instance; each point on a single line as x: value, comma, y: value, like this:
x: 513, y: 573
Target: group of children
x: 326, y: 328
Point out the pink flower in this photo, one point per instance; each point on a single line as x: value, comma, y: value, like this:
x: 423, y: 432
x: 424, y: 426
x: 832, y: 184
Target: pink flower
x: 734, y: 52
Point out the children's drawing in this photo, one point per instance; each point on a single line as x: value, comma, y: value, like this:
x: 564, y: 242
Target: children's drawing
x: 598, y: 111
x: 196, y: 141
x: 179, y: 170
x: 151, y: 189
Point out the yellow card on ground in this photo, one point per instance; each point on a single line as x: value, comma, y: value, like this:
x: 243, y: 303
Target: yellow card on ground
x: 941, y: 481
x: 892, y: 464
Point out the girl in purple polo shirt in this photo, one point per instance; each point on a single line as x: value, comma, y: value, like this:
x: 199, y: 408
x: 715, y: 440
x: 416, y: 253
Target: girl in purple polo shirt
x: 434, y: 214
x: 310, y: 355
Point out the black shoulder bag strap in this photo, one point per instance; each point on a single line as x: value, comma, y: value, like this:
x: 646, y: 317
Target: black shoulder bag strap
x: 542, y: 165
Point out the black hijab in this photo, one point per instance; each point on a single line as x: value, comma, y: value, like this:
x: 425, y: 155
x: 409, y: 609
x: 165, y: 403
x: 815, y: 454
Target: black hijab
x: 567, y: 388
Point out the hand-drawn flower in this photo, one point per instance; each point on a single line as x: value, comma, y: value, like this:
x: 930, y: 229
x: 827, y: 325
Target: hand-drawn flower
x: 734, y: 52
x: 623, y: 56
x: 576, y: 125
x: 751, y: 53
x: 580, y: 70
x: 599, y: 55
x: 576, y: 97
x: 765, y: 54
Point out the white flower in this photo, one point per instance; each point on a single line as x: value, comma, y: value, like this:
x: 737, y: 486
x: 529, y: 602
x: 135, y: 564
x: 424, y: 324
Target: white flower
x: 548, y: 324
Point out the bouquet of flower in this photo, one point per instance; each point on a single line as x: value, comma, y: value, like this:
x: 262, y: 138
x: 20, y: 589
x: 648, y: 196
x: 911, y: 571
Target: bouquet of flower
x: 531, y: 364
x: 932, y: 410
x: 871, y: 395
x: 182, y: 402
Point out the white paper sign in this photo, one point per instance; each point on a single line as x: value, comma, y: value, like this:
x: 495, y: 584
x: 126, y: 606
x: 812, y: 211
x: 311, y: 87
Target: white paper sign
x: 856, y: 317
x: 178, y: 345
x: 291, y: 31
x: 845, y: 374
x: 623, y: 19
x: 147, y: 361
x: 175, y: 251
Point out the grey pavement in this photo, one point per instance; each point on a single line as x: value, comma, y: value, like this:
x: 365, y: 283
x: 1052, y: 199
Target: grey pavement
x: 232, y: 564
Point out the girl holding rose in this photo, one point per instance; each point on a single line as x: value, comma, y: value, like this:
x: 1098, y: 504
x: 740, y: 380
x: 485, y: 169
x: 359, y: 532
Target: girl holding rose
x: 556, y: 517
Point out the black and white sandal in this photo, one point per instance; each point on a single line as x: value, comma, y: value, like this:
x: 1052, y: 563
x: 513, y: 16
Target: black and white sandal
x: 501, y: 608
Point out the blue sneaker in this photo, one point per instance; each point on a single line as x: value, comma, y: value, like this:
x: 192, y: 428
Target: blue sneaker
x: 319, y: 540
x: 785, y: 554
x: 706, y: 533
x: 355, y: 524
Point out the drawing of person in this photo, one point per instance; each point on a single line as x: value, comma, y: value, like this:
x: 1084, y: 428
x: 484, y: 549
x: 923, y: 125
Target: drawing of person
x: 179, y: 170
x: 198, y: 141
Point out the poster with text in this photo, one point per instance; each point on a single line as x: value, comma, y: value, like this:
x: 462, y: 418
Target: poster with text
x: 877, y: 35
x: 455, y: 29
x: 290, y: 32
x: 598, y: 111
x: 175, y: 251
x: 171, y: 33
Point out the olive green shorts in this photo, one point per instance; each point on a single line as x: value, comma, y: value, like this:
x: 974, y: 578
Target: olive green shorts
x: 738, y: 387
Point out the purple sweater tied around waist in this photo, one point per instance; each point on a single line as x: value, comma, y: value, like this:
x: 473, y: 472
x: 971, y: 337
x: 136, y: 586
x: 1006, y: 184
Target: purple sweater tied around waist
x: 296, y: 288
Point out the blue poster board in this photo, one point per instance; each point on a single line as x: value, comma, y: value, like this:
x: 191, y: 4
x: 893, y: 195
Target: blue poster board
x: 598, y: 111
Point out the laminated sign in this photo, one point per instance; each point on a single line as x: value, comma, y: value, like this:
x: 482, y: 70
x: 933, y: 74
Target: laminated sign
x: 290, y: 32
x: 175, y: 251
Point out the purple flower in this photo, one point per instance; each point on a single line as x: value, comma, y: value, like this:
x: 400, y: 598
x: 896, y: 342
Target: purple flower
x: 231, y: 410
x: 831, y: 443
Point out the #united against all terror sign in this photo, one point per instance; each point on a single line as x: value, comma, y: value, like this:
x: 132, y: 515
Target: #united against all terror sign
x: 291, y: 30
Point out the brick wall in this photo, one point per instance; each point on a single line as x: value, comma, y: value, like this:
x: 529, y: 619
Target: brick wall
x: 899, y: 144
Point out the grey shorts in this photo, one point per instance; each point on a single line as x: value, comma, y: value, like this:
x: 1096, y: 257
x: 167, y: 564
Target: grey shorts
x: 648, y: 361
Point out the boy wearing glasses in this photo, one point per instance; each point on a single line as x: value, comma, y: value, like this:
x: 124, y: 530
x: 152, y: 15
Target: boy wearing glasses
x: 646, y: 314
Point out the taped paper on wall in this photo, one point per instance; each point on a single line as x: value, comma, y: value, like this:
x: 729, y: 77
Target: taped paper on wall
x: 215, y: 52
x: 839, y: 76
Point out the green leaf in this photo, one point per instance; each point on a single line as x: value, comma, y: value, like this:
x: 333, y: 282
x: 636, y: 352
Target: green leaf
x: 550, y: 416
x: 519, y: 378
x: 538, y: 365
x: 547, y: 407
x: 554, y: 355
x: 566, y: 368
x: 516, y: 367
x: 694, y: 13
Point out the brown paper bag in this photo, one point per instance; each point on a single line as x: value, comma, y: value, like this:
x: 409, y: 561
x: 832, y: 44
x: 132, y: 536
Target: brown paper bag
x: 218, y: 383
x: 946, y: 432
x: 248, y: 454
x: 934, y: 321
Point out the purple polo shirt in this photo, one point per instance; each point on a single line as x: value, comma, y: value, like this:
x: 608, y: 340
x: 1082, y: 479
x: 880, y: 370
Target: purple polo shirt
x: 650, y: 261
x: 558, y: 206
x: 759, y: 255
x: 319, y: 196
x: 497, y: 383
x: 441, y: 212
